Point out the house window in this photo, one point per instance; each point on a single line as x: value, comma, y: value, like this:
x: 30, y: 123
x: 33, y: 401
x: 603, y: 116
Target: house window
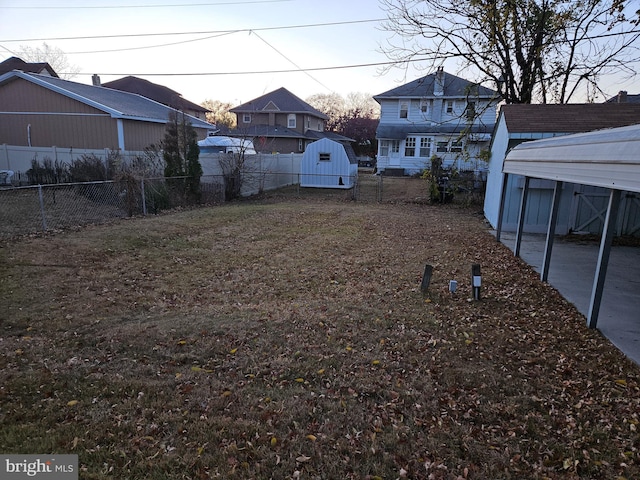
x: 300, y: 145
x: 319, y: 126
x: 395, y: 146
x: 425, y: 147
x: 384, y: 148
x: 450, y: 106
x: 291, y: 120
x: 442, y: 147
x: 410, y: 147
x: 404, y: 109
x: 470, y: 111
x: 425, y: 106
x: 324, y: 157
x: 246, y: 118
x: 456, y: 146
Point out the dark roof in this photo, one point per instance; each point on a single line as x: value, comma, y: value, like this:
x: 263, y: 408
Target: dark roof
x: 336, y: 137
x: 400, y: 132
x: 118, y: 104
x: 423, y: 87
x: 568, y: 118
x: 15, y: 63
x: 279, y: 131
x: 156, y: 92
x: 281, y: 100
x: 269, y: 131
x: 624, y: 97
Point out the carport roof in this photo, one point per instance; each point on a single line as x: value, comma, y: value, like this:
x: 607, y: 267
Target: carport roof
x: 605, y: 158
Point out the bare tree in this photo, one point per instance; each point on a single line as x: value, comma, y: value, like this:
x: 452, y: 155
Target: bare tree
x: 331, y: 104
x: 220, y: 114
x: 51, y: 55
x: 531, y: 50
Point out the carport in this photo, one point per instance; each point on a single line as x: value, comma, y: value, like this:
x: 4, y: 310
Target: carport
x: 605, y: 158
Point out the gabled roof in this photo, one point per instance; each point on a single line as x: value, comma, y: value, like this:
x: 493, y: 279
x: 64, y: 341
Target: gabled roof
x: 281, y: 100
x: 118, y: 104
x: 568, y: 118
x: 424, y: 87
x: 15, y: 63
x: 336, y: 137
x: 159, y: 93
x: 269, y: 131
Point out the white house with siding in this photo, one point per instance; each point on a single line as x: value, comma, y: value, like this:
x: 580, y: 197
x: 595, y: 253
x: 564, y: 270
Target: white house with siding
x: 328, y: 164
x: 438, y: 115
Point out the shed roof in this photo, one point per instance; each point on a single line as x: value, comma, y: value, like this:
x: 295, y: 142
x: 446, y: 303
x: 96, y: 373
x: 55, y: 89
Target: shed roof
x: 568, y: 118
x: 280, y: 100
x: 605, y: 158
x: 118, y: 104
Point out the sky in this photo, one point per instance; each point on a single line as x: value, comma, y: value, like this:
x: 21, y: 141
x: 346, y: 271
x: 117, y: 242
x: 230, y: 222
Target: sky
x: 208, y: 49
x: 232, y: 36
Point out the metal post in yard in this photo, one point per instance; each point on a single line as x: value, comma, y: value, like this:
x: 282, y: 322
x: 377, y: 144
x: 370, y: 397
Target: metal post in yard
x: 379, y: 192
x: 44, y: 218
x: 144, y: 200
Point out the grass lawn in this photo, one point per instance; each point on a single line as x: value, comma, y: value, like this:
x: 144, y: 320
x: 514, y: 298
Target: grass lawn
x: 290, y: 339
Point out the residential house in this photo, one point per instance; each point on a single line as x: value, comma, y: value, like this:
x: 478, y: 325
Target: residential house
x: 281, y: 122
x: 624, y: 97
x: 438, y: 115
x: 159, y: 93
x: 42, y: 111
x: 582, y: 204
x: 15, y: 63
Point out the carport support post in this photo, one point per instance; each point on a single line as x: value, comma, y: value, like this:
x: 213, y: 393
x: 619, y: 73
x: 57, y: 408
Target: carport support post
x: 523, y: 208
x: 551, y: 231
x: 503, y: 199
x: 603, y: 258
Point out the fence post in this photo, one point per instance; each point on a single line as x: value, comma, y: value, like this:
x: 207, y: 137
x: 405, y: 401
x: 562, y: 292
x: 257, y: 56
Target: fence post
x: 144, y: 200
x: 44, y: 218
x: 379, y: 192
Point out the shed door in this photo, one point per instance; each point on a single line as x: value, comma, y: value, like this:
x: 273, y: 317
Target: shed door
x: 589, y: 209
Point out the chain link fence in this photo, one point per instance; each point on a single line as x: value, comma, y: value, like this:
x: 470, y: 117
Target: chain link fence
x: 49, y: 207
x: 31, y: 209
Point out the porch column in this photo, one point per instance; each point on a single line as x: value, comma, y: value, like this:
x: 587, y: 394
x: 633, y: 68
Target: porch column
x: 603, y: 258
x: 551, y: 231
x: 523, y: 208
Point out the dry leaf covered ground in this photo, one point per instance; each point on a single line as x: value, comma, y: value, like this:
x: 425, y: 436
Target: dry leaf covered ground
x: 290, y: 339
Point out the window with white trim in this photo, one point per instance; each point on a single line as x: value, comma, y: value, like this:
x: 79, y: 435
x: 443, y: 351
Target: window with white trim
x: 291, y: 120
x: 425, y: 106
x: 456, y: 146
x: 246, y: 118
x: 450, y: 105
x: 395, y: 146
x: 425, y: 147
x: 404, y: 109
x: 384, y: 148
x: 442, y: 147
x: 410, y: 147
x: 300, y: 145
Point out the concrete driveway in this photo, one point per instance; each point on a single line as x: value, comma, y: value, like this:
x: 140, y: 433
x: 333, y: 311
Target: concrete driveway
x: 571, y: 272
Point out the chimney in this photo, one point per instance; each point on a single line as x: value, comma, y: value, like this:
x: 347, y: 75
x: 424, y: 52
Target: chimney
x: 438, y: 84
x: 95, y: 79
x: 622, y: 96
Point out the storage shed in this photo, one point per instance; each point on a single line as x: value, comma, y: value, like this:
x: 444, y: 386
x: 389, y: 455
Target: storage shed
x: 327, y: 164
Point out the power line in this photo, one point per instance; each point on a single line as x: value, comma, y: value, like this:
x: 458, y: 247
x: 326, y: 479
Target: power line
x: 210, y: 32
x: 105, y: 7
x: 292, y: 62
x: 257, y: 72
